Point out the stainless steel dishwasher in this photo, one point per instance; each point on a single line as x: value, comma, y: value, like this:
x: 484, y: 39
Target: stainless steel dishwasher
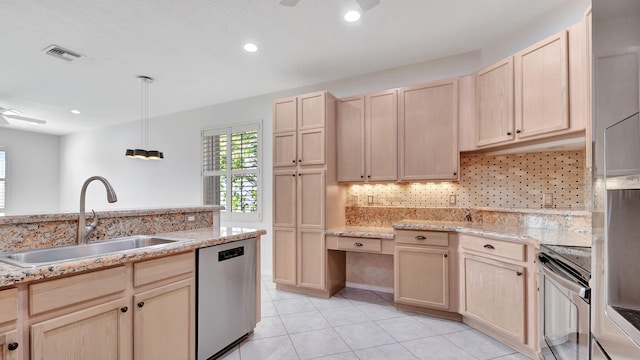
x: 226, y: 296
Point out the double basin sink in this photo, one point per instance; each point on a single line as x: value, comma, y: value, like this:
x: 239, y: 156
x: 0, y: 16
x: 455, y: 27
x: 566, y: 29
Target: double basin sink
x: 32, y: 258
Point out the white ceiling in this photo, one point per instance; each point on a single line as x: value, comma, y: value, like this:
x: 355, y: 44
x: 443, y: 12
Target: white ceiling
x: 193, y: 49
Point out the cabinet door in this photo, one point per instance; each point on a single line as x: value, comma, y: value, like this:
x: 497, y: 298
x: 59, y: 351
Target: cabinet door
x: 494, y: 103
x: 422, y: 277
x: 429, y: 131
x: 311, y: 146
x: 311, y: 190
x: 495, y: 293
x: 312, y: 259
x: 350, y: 139
x: 382, y: 136
x: 284, y: 256
x: 284, y: 198
x: 96, y: 333
x: 164, y: 322
x: 284, y: 149
x: 9, y: 345
x: 311, y: 110
x: 542, y: 91
x: 285, y: 116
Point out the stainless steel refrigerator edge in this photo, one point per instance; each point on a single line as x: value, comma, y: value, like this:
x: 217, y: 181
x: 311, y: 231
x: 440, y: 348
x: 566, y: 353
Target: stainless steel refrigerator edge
x: 616, y: 97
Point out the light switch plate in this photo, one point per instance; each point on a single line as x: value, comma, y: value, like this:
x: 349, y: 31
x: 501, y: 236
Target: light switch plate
x: 547, y: 199
x: 370, y: 200
x: 452, y: 200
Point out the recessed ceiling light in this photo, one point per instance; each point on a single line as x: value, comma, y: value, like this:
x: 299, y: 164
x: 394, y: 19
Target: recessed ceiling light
x: 74, y: 111
x: 352, y: 16
x: 250, y: 47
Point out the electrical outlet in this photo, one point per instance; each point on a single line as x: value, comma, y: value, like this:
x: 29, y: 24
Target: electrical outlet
x: 452, y: 200
x: 547, y: 199
x: 189, y: 218
x: 370, y: 200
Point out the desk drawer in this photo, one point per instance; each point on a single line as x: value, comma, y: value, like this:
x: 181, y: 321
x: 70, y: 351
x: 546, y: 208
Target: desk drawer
x: 504, y: 249
x: 418, y: 237
x: 359, y: 244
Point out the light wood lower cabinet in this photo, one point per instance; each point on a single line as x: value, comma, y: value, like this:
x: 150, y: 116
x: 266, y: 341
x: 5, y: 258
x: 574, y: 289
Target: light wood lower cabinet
x: 164, y: 322
x: 422, y: 276
x: 9, y: 345
x: 98, y: 333
x: 495, y: 292
x: 144, y: 310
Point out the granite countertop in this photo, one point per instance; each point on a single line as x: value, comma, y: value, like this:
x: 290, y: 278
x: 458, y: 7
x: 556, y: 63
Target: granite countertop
x: 190, y: 240
x: 362, y: 232
x: 532, y: 236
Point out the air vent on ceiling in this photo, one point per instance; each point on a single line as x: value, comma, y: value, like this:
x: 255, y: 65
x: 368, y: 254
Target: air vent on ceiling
x: 62, y: 53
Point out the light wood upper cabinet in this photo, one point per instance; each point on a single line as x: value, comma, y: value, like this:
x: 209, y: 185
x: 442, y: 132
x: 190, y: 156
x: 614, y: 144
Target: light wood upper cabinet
x: 311, y: 146
x: 164, y: 322
x: 350, y: 135
x: 99, y: 332
x: 381, y: 130
x: 367, y: 137
x: 311, y: 110
x: 495, y: 103
x: 542, y: 87
x: 10, y: 346
x: 428, y: 131
x: 284, y: 149
x: 285, y: 118
x: 422, y: 276
x: 495, y: 292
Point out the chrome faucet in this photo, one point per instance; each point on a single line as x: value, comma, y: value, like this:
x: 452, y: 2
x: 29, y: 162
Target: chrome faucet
x: 84, y: 230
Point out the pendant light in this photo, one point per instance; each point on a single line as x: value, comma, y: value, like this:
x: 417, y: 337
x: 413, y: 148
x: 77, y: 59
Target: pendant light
x: 144, y: 123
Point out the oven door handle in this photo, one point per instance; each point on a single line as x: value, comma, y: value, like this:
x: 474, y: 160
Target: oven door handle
x: 561, y: 277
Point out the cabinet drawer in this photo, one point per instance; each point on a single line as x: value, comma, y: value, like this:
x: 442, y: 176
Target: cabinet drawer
x: 417, y: 237
x: 146, y: 272
x: 494, y: 247
x: 54, y: 294
x: 8, y: 305
x: 359, y: 244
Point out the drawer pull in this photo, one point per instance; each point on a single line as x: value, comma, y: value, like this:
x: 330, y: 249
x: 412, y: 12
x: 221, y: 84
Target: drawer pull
x: 420, y: 237
x: 518, y: 273
x: 445, y: 255
x: 12, y: 346
x: 357, y: 244
x: 490, y: 247
x: 124, y: 309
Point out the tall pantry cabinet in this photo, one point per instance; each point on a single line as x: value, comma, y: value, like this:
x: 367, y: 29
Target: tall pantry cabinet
x: 304, y: 182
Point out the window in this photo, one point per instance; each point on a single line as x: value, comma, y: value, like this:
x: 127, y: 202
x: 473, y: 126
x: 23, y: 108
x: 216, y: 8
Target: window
x: 231, y: 170
x: 3, y: 178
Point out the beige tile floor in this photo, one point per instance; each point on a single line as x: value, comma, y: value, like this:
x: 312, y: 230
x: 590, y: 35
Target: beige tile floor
x: 358, y: 324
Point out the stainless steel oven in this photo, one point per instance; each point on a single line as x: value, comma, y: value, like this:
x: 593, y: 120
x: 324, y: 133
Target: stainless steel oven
x: 564, y: 298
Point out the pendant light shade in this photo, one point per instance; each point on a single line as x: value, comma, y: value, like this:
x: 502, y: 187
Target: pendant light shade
x: 144, y: 122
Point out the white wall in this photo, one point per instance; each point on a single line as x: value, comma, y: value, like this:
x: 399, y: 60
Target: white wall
x: 32, y: 171
x: 176, y: 181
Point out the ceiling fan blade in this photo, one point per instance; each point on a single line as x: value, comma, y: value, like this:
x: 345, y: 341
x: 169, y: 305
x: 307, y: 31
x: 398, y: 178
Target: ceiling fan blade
x: 289, y: 2
x: 3, y: 121
x: 22, y: 118
x: 368, y: 4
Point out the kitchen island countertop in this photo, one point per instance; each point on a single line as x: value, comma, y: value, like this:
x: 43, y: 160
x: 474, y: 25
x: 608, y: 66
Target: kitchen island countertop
x: 189, y: 241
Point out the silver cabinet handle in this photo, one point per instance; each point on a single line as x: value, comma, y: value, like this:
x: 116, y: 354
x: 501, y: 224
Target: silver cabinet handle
x: 357, y: 244
x: 420, y: 237
x: 488, y: 246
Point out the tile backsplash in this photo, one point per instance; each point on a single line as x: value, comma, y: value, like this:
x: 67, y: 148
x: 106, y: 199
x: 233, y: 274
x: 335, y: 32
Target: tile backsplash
x: 516, y: 181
